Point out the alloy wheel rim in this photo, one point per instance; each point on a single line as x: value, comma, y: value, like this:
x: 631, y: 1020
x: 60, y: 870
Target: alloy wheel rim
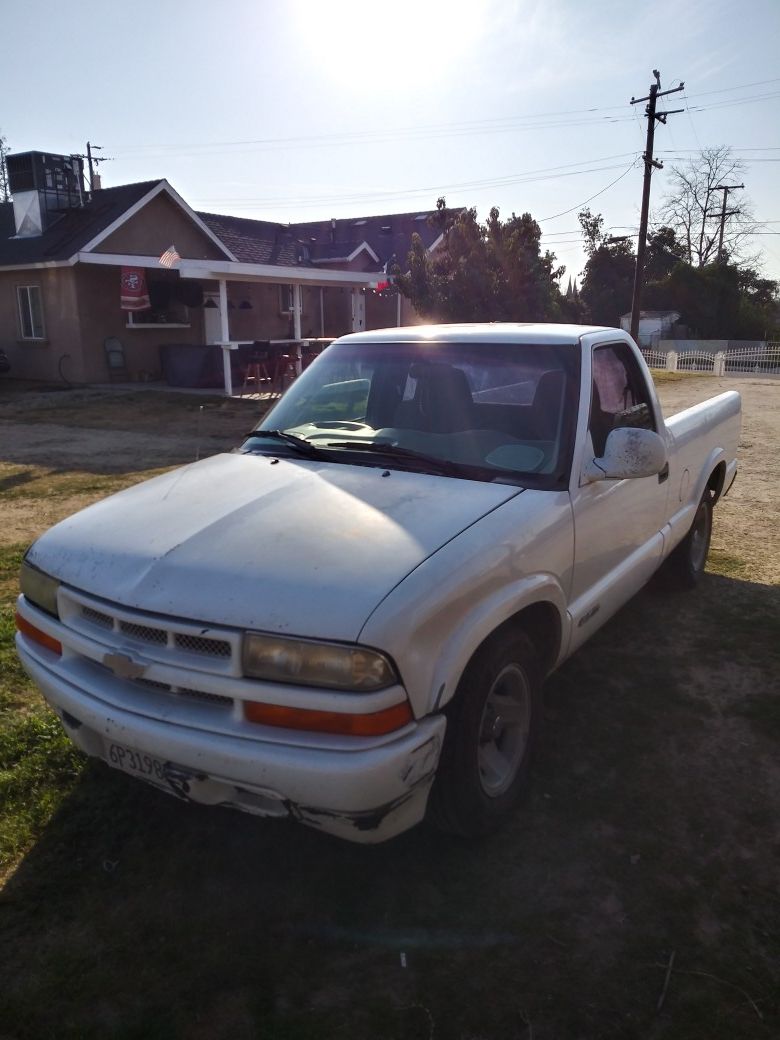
x: 504, y: 730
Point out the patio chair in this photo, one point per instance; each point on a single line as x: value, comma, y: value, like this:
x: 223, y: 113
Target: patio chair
x: 285, y: 366
x: 257, y: 367
x: 115, y: 359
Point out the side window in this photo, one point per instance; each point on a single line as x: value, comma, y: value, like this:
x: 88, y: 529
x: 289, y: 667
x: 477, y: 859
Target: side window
x: 28, y: 298
x: 619, y: 396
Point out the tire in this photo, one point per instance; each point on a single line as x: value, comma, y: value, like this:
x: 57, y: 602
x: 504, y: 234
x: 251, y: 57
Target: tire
x: 486, y: 759
x: 686, y: 563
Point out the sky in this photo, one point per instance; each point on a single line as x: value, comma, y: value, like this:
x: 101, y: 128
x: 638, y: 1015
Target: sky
x: 294, y: 110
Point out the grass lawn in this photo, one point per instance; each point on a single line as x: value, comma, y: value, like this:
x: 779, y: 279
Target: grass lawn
x: 651, y: 830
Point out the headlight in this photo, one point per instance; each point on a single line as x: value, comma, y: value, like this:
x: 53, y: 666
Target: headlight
x: 39, y: 588
x: 303, y: 663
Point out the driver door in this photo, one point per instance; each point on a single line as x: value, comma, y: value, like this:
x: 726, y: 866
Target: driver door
x: 617, y: 523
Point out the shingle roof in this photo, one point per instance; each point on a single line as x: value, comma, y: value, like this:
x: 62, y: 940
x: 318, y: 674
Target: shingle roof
x: 389, y: 235
x: 250, y: 241
x: 297, y: 245
x: 256, y: 241
x: 71, y: 231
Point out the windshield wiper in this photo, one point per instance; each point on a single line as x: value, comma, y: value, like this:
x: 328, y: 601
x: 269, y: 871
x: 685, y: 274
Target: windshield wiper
x: 441, y: 466
x: 300, y: 444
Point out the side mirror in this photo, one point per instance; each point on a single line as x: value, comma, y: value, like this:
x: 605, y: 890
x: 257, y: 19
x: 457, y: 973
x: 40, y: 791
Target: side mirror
x: 629, y: 452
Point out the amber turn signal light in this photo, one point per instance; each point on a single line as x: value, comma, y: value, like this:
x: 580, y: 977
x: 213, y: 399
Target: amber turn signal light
x: 374, y: 724
x: 37, y: 635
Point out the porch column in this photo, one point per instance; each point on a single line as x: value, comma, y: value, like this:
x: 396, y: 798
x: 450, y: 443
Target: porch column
x: 398, y: 311
x: 322, y: 312
x: 297, y: 323
x: 225, y: 336
x: 358, y: 311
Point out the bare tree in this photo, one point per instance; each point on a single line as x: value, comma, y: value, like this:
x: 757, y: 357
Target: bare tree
x: 692, y: 208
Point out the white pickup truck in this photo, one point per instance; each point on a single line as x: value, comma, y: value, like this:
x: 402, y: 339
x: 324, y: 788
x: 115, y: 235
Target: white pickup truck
x: 348, y: 620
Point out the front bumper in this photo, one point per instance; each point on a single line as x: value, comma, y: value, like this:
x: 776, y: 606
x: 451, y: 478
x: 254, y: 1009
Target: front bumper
x: 367, y: 793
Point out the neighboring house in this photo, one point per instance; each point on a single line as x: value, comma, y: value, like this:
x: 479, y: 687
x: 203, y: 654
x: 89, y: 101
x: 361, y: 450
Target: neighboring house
x: 62, y: 254
x: 653, y: 326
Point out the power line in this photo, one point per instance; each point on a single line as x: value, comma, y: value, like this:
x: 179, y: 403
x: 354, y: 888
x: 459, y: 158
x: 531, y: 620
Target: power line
x: 592, y: 197
x: 528, y: 177
x: 434, y: 130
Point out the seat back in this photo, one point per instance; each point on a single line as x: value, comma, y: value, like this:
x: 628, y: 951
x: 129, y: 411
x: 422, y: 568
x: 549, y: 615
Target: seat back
x: 442, y: 401
x: 546, y: 408
x: 115, y: 358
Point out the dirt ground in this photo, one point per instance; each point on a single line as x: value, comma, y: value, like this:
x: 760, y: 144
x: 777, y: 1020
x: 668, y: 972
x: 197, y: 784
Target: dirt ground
x: 633, y: 897
x: 109, y: 432
x: 747, y: 521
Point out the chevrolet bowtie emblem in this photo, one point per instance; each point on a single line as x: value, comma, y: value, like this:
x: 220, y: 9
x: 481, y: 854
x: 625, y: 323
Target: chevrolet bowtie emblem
x: 123, y: 666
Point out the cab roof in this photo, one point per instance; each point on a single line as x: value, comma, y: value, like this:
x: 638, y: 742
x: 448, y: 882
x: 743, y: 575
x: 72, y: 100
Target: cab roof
x: 482, y: 332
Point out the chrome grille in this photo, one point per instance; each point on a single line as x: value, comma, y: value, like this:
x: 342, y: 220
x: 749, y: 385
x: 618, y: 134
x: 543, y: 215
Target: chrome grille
x: 210, y: 698
x: 144, y: 633
x: 202, y: 645
x: 154, y: 685
x: 97, y: 617
x: 180, y: 643
x: 182, y: 691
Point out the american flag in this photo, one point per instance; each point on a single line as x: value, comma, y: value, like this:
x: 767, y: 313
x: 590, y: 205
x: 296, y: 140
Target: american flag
x: 170, y: 257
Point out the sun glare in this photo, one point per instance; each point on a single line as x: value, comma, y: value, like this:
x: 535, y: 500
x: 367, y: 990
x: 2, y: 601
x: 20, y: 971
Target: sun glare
x: 408, y: 41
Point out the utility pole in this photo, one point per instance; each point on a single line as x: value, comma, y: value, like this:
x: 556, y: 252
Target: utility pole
x: 92, y: 161
x: 5, y: 191
x: 725, y: 188
x: 650, y: 162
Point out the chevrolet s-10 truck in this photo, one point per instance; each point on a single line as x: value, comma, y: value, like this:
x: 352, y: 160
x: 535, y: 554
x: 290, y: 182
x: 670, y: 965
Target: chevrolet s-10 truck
x: 348, y: 620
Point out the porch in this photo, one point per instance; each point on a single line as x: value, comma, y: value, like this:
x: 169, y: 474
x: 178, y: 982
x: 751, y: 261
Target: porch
x: 211, y: 319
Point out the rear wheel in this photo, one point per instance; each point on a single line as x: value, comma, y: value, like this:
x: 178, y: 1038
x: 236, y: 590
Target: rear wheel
x: 686, y: 563
x: 492, y: 726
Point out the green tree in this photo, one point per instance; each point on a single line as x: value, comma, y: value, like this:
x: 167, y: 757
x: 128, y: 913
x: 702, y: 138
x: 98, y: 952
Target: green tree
x: 663, y: 252
x: 721, y: 300
x: 482, y: 271
x: 608, y: 278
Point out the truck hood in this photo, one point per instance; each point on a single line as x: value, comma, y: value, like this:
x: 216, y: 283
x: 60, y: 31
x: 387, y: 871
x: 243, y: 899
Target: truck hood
x: 288, y: 546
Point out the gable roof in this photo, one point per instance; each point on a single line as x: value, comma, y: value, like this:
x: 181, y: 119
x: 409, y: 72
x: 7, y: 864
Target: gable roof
x: 73, y: 230
x: 256, y: 241
x: 388, y: 236
x: 383, y: 238
x: 81, y: 228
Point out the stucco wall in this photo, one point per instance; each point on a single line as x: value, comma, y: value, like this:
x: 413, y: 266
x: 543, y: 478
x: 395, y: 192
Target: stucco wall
x: 101, y: 317
x: 33, y: 359
x: 160, y: 224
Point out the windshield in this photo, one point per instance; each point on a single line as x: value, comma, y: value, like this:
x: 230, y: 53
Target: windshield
x: 488, y: 411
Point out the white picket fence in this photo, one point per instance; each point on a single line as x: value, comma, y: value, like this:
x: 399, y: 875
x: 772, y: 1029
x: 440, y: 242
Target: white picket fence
x: 763, y: 361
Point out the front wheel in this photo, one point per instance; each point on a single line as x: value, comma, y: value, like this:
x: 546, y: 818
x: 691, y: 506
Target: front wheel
x: 686, y: 563
x: 492, y: 727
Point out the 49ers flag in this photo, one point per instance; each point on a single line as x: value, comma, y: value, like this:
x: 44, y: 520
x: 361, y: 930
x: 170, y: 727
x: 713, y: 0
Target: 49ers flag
x: 134, y: 294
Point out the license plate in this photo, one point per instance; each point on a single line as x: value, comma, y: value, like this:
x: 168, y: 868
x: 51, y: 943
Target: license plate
x: 136, y: 763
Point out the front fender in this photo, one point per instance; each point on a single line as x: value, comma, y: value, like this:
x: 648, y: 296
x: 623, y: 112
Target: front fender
x: 486, y: 617
x: 433, y: 621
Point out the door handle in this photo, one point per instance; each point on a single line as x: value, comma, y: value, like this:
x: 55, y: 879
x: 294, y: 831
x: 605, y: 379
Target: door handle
x: 664, y: 474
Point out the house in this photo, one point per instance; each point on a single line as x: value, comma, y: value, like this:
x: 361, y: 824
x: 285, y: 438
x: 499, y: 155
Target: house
x: 653, y: 326
x: 64, y: 253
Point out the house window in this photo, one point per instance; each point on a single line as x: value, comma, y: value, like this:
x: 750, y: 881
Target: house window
x: 30, y: 311
x: 168, y: 298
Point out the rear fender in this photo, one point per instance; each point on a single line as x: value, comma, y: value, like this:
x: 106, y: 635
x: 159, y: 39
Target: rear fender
x: 714, y: 459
